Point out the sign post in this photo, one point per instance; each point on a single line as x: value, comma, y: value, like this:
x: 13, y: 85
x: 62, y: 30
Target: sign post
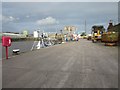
x: 6, y: 52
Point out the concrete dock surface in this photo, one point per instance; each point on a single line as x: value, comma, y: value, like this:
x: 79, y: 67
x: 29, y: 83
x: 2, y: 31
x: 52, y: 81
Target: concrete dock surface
x: 81, y: 64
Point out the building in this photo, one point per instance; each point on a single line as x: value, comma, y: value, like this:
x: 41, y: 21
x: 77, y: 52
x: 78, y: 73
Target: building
x: 69, y: 29
x: 115, y: 28
x: 36, y: 34
x: 12, y: 35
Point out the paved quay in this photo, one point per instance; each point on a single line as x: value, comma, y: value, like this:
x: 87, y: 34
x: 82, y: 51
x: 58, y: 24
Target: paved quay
x: 24, y: 46
x: 81, y: 64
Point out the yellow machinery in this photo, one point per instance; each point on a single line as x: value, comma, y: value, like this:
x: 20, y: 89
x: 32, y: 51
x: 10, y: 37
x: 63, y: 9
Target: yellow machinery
x: 97, y: 32
x: 111, y: 37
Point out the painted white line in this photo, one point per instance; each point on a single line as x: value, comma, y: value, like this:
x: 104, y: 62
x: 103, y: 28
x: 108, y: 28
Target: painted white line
x: 68, y: 64
x: 64, y: 79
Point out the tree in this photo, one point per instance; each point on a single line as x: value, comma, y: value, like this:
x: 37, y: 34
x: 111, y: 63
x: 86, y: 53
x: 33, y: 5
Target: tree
x: 83, y: 34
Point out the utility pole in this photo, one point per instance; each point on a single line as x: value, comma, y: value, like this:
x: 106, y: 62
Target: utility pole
x: 85, y: 26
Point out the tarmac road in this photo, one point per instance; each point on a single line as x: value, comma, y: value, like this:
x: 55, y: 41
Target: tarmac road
x: 80, y: 64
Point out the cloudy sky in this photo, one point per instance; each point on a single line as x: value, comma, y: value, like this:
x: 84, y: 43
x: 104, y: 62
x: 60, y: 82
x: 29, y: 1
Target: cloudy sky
x: 53, y: 16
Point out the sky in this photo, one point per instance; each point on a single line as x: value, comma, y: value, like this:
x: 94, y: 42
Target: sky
x: 59, y: 0
x: 53, y: 16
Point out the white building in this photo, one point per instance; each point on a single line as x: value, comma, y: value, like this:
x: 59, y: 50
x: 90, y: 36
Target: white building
x: 36, y: 34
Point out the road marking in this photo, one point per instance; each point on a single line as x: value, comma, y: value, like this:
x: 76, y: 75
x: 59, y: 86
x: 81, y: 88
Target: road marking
x: 65, y: 68
x: 68, y: 64
x: 62, y: 82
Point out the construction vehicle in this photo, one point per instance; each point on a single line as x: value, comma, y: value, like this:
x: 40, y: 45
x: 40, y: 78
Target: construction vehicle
x: 97, y: 32
x: 89, y: 37
x: 110, y: 37
x: 59, y: 38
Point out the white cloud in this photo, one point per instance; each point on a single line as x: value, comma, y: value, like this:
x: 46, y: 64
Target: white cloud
x: 8, y: 18
x: 47, y: 21
x: 27, y: 16
x: 11, y: 18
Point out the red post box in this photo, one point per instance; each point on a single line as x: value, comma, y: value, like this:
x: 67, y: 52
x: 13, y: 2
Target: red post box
x: 6, y: 42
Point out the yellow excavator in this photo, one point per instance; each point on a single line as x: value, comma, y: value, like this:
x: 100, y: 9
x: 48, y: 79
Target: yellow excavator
x: 97, y: 32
